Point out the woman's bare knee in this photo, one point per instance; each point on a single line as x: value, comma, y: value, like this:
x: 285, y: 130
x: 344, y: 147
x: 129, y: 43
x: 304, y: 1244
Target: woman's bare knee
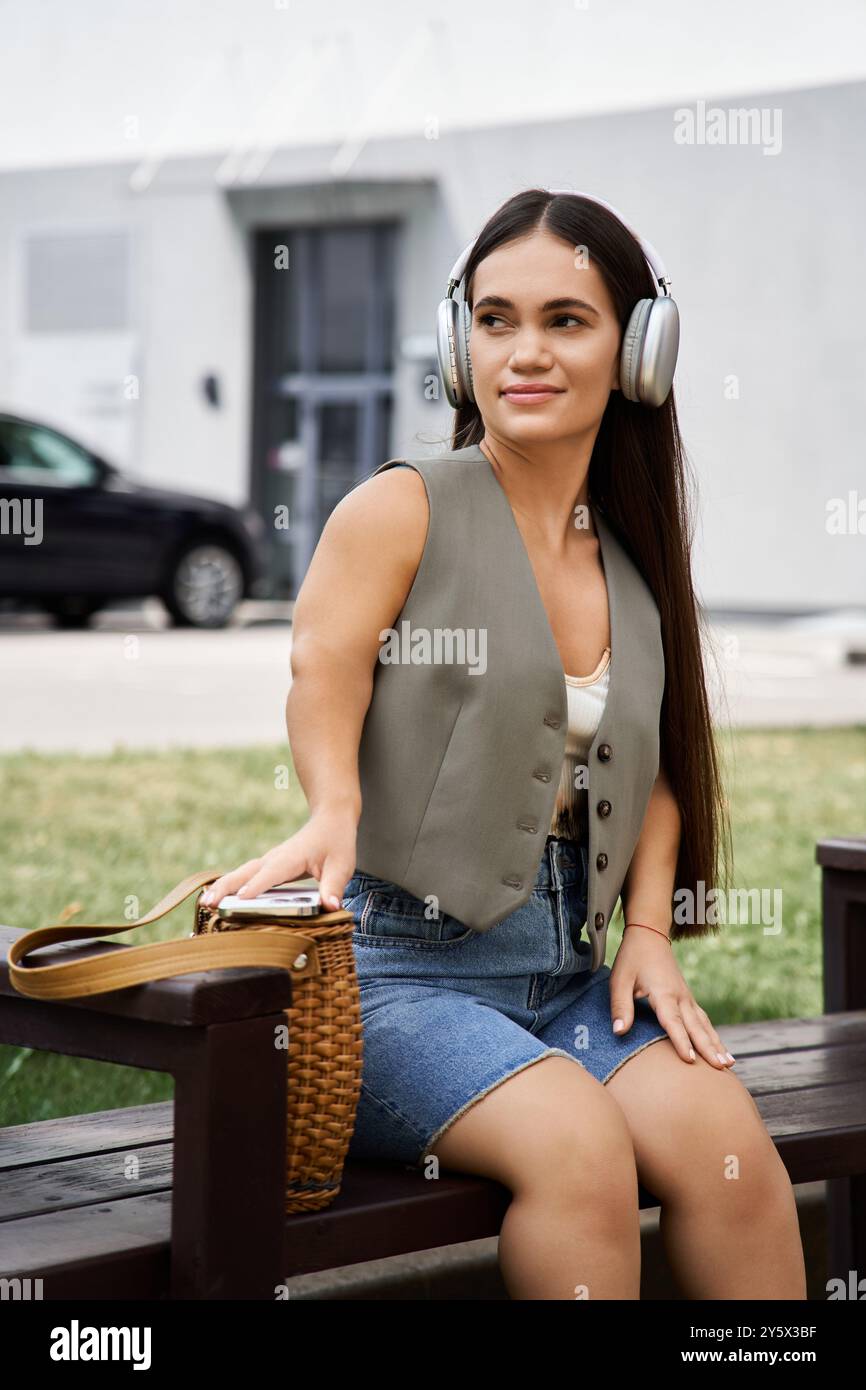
x: 551, y: 1127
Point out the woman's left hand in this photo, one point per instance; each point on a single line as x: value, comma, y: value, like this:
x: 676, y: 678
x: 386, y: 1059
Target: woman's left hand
x: 645, y: 967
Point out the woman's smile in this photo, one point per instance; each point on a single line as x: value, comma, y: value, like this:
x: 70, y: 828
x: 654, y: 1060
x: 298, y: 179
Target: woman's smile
x: 530, y: 395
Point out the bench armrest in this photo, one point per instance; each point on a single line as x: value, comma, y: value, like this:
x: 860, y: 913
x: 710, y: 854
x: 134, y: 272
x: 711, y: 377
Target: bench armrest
x: 213, y: 996
x: 843, y: 893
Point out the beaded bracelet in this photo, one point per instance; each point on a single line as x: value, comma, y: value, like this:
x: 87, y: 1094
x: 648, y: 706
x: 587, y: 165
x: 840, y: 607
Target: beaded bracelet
x: 655, y: 929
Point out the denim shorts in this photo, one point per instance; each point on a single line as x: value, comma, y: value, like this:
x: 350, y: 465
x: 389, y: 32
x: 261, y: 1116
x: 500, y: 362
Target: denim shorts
x: 448, y: 1012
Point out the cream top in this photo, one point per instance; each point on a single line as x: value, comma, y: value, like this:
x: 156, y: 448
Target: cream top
x: 586, y: 700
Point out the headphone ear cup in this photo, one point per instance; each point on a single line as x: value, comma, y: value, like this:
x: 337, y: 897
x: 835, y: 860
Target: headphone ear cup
x: 448, y: 350
x: 632, y: 349
x: 464, y: 358
x: 650, y: 346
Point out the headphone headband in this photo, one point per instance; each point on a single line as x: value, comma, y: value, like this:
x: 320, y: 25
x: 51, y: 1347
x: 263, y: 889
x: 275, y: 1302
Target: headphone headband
x: 654, y: 261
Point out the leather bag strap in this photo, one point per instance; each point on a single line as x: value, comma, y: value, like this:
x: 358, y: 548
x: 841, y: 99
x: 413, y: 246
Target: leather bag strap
x: 287, y: 947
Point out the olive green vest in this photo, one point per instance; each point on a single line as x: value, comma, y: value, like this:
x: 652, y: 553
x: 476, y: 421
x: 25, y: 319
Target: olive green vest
x: 464, y: 737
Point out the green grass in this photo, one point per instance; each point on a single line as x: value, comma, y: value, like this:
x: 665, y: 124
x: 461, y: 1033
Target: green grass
x: 787, y: 789
x: 114, y: 833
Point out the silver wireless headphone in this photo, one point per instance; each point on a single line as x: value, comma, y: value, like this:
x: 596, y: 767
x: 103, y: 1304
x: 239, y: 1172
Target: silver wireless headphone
x: 649, y: 345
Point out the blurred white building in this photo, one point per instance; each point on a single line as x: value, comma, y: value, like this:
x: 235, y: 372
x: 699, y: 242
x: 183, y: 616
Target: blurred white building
x: 253, y: 318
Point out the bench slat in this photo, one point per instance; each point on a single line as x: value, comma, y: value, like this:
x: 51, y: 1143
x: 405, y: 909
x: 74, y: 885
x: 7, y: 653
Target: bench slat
x: 769, y: 1037
x: 769, y: 1073
x: 109, y: 1250
x: 71, y: 1183
x: 46, y: 1141
x: 812, y: 1111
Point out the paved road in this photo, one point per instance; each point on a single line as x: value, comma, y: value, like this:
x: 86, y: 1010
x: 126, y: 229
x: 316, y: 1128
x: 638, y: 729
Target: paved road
x: 131, y: 681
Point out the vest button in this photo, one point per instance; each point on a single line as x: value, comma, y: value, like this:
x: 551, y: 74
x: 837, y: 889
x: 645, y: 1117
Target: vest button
x: 542, y: 776
x: 601, y: 861
x: 605, y: 752
x: 513, y: 882
x: 527, y: 825
x: 552, y: 720
x: 604, y: 808
x: 599, y: 921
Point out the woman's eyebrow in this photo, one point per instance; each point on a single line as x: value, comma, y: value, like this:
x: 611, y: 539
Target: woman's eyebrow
x: 498, y: 301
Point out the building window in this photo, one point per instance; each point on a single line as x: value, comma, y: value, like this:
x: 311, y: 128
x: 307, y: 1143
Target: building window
x: 77, y: 282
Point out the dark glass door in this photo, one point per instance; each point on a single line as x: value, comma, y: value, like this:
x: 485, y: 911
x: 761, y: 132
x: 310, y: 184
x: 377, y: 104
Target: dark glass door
x: 323, y: 386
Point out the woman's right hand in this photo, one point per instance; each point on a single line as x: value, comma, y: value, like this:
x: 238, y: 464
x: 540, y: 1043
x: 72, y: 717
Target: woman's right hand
x: 323, y: 849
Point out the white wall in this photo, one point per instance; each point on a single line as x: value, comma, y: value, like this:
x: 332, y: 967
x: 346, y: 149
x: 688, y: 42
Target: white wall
x: 190, y: 314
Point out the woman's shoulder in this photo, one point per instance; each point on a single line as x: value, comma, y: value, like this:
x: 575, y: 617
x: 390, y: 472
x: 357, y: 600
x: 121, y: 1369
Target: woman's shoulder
x: 388, y: 498
x: 453, y: 463
x: 376, y: 534
x: 413, y: 496
x: 398, y: 481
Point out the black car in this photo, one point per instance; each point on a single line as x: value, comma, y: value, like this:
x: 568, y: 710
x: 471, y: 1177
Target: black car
x: 76, y: 532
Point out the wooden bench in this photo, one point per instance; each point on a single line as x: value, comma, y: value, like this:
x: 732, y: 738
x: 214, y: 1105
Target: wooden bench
x: 185, y: 1200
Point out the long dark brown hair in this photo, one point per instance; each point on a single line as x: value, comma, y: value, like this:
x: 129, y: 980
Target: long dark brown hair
x: 638, y: 479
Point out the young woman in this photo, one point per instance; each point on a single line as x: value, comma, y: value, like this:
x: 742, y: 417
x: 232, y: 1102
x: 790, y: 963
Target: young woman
x: 481, y: 814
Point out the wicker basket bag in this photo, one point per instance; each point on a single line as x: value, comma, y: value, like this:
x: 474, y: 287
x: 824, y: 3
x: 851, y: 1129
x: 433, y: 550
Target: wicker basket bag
x: 324, y: 1018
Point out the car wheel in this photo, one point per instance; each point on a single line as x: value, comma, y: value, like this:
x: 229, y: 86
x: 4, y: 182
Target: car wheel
x: 72, y: 612
x: 205, y: 586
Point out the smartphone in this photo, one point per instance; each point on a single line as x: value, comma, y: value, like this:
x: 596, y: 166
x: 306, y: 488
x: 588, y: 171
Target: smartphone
x: 284, y: 900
